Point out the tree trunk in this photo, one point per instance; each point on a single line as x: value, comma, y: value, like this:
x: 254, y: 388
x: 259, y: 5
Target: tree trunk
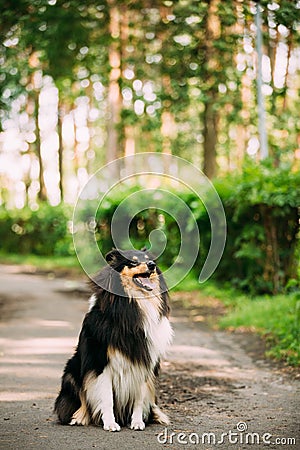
x: 211, y: 114
x: 60, y: 150
x: 272, y: 263
x: 126, y: 130
x: 114, y: 94
x: 129, y: 136
x: 210, y: 139
x: 168, y: 131
x: 290, y: 45
x: 42, y: 194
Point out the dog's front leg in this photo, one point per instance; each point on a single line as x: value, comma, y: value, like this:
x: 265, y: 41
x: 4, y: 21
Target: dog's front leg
x: 99, y: 392
x: 137, y: 422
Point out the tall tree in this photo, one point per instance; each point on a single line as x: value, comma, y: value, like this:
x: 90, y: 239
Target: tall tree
x: 175, y: 76
x: 211, y: 69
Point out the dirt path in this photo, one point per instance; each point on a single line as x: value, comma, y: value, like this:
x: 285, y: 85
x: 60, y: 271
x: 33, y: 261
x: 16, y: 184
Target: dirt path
x: 209, y: 383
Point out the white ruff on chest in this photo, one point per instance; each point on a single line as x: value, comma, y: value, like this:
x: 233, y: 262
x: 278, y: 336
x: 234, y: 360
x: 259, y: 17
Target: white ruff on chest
x: 125, y: 384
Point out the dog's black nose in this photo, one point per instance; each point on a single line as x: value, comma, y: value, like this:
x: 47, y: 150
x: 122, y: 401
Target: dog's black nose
x: 151, y: 265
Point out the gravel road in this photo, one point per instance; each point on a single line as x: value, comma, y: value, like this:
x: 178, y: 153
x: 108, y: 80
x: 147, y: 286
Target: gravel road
x: 215, y: 386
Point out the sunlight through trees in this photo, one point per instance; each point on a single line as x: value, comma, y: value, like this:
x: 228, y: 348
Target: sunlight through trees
x: 85, y: 82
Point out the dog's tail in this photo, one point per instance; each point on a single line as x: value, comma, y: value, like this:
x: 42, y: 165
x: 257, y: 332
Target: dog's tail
x: 157, y: 416
x: 68, y: 400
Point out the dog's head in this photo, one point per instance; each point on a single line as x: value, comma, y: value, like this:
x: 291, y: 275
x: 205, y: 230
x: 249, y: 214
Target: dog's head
x: 137, y: 269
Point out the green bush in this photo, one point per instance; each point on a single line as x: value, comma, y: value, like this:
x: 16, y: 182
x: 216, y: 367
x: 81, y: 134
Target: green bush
x: 262, y: 211
x: 41, y: 232
x: 141, y: 224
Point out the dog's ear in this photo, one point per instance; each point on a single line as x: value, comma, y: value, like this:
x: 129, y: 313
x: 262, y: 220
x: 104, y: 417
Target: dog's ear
x: 150, y: 255
x: 112, y: 256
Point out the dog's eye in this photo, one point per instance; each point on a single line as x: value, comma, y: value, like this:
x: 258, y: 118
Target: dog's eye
x: 132, y: 264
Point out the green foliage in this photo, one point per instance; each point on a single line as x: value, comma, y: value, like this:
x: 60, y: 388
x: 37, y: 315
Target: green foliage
x: 261, y: 206
x: 262, y: 219
x: 141, y: 224
x: 276, y: 318
x: 41, y: 232
x: 170, y: 46
x: 266, y: 184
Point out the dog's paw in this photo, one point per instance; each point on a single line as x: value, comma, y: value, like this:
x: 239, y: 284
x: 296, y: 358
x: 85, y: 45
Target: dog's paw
x: 76, y: 422
x: 111, y: 426
x: 137, y: 425
x: 80, y: 417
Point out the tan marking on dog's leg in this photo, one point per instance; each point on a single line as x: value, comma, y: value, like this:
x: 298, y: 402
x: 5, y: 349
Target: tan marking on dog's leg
x: 81, y: 416
x: 151, y: 390
x: 158, y: 415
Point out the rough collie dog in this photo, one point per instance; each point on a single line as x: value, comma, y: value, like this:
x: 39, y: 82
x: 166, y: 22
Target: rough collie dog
x: 111, y: 377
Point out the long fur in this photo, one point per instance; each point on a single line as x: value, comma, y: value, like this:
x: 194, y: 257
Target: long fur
x: 111, y: 377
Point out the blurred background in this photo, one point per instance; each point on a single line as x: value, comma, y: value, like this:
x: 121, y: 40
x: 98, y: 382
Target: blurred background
x: 83, y: 83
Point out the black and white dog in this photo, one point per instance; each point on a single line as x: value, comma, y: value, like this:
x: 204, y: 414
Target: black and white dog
x: 111, y: 377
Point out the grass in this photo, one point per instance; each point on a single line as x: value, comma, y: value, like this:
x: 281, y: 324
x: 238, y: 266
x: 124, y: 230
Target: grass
x: 44, y: 263
x: 275, y: 318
